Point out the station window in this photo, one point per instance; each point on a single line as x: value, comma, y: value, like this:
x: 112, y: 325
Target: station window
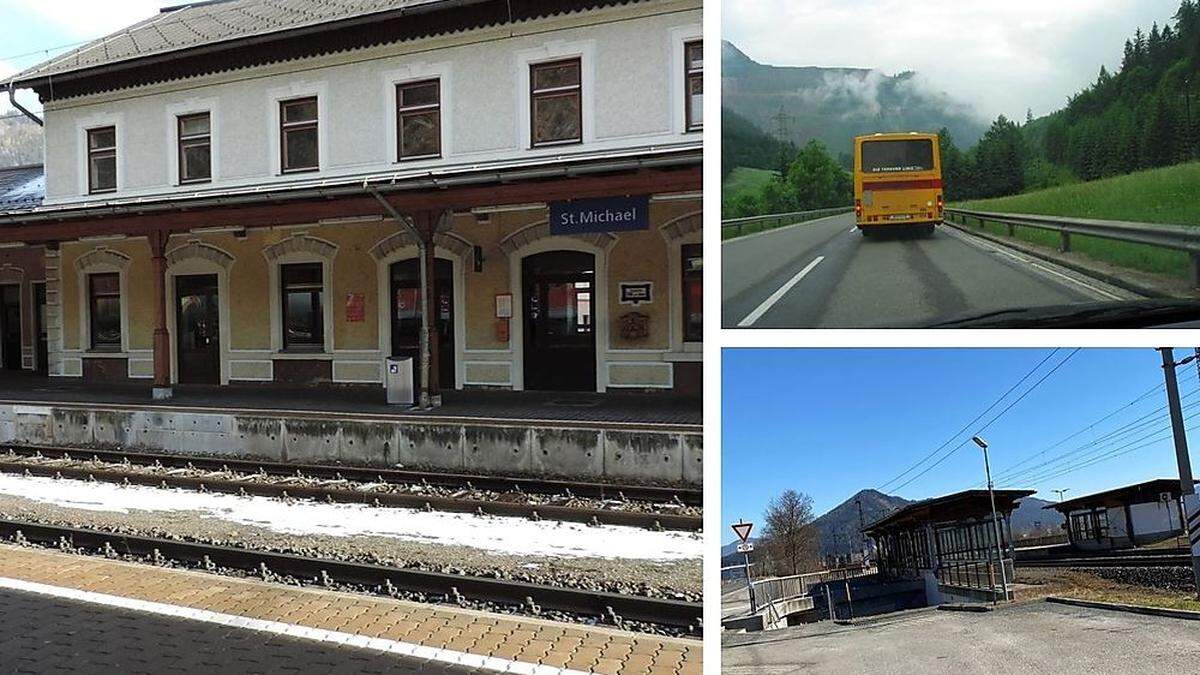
x: 693, y: 74
x: 104, y: 311
x: 556, y: 102
x: 419, y: 119
x: 693, y: 292
x: 303, y: 315
x: 195, y: 148
x: 299, y: 141
x: 102, y: 159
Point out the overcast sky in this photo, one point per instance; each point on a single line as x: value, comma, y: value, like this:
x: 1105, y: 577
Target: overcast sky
x: 36, y: 30
x: 1003, y: 56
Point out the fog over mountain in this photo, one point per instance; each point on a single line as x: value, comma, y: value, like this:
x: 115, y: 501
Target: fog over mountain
x: 835, y: 104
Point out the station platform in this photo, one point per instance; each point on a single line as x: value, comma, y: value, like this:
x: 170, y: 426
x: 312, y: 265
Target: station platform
x: 381, y: 634
x: 589, y: 409
x: 616, y: 437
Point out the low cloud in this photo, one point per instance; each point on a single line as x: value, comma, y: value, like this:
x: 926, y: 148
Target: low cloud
x: 1001, y: 57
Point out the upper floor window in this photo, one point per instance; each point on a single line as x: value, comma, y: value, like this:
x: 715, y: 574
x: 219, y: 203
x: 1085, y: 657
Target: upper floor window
x: 693, y: 292
x: 298, y: 135
x: 104, y: 311
x: 195, y: 148
x: 303, y: 314
x: 556, y: 102
x: 693, y: 53
x: 102, y: 159
x: 419, y: 119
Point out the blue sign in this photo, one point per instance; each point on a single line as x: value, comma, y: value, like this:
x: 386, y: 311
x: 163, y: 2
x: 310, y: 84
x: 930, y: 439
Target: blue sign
x: 607, y: 214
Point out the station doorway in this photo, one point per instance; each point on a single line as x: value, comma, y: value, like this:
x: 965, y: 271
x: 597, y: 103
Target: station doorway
x: 406, y: 317
x: 198, y: 334
x: 559, y: 321
x: 10, y: 326
x: 40, y: 332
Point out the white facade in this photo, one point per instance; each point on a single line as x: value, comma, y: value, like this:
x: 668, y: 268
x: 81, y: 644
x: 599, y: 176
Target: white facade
x: 632, y: 61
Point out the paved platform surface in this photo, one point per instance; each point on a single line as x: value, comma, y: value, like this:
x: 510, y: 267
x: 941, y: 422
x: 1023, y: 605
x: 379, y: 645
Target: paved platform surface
x: 1037, y: 637
x: 497, y: 405
x: 525, y: 640
x: 41, y: 634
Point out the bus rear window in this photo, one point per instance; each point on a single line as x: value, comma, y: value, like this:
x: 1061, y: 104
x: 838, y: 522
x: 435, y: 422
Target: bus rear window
x: 895, y: 156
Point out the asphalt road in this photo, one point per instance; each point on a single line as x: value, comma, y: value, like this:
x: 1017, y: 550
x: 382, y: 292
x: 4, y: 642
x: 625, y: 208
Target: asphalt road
x: 1033, y: 638
x: 826, y: 274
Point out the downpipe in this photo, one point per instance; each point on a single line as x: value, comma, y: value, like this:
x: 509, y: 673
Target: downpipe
x: 12, y: 100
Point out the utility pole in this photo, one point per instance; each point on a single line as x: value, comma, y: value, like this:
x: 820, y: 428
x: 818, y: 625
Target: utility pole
x: 1191, y: 526
x: 987, y: 468
x: 862, y: 536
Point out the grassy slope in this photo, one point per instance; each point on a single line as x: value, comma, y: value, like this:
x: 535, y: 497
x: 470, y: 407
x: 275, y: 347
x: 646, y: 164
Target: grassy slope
x: 1164, y: 195
x: 743, y: 179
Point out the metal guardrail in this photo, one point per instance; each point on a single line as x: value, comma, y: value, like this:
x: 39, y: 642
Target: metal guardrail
x: 1173, y: 237
x: 740, y: 225
x: 981, y: 574
x: 767, y: 592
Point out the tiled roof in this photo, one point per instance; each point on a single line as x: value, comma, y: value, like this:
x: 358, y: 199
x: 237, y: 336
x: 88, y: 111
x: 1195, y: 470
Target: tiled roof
x: 203, y: 23
x: 22, y: 187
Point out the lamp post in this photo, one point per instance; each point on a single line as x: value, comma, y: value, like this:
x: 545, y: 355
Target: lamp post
x: 1060, y: 493
x: 987, y: 468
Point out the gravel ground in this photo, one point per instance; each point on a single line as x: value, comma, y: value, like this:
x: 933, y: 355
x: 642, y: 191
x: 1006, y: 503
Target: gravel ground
x: 677, y: 580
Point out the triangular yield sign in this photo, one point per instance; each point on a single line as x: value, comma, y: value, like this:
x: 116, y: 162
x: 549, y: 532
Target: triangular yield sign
x: 742, y: 530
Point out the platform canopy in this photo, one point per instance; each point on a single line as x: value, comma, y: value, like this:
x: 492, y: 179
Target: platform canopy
x: 960, y: 506
x: 1139, y: 493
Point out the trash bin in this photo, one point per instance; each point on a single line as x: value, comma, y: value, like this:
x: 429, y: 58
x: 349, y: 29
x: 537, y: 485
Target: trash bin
x: 399, y: 381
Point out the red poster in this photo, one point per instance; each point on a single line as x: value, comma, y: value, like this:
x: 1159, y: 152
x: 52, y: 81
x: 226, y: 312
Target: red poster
x: 355, y: 308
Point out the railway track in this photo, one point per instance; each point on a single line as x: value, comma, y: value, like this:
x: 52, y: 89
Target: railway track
x: 1168, y: 559
x: 675, y: 617
x: 648, y: 507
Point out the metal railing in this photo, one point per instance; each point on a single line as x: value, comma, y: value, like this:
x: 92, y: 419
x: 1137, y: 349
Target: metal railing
x: 735, y: 227
x: 767, y: 592
x: 981, y: 574
x: 1172, y: 237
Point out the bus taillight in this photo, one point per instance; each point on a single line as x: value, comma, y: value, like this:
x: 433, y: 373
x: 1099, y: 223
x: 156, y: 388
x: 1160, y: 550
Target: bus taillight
x: 858, y: 208
x: 941, y: 205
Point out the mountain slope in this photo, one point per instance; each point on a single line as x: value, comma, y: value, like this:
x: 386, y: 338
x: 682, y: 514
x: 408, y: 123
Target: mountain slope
x: 835, y: 104
x: 839, y: 527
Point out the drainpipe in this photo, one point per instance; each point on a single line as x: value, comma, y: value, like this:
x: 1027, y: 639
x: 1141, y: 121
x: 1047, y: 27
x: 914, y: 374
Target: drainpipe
x: 424, y: 398
x: 12, y: 99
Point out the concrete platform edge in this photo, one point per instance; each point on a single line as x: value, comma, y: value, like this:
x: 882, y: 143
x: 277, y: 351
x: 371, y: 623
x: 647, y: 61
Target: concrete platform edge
x: 1133, y: 609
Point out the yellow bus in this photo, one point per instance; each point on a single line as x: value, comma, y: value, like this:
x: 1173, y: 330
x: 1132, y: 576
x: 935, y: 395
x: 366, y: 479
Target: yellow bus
x: 898, y: 182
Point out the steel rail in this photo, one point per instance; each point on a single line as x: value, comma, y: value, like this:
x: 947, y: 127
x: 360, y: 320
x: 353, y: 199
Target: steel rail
x: 594, y: 490
x: 1173, y: 237
x: 778, y: 219
x: 678, y: 614
x: 1145, y: 560
x: 482, y: 507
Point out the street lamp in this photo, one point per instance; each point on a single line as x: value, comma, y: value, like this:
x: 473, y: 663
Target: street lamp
x: 995, y: 518
x: 1060, y: 493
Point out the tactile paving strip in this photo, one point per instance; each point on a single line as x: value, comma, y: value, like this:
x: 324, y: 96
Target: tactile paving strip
x: 527, y: 640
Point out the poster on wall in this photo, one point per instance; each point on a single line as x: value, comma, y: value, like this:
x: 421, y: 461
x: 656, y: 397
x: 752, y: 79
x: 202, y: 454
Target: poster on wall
x: 504, y: 306
x: 355, y: 307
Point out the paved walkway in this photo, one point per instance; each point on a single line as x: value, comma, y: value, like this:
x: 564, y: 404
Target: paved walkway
x: 1037, y: 637
x: 577, y: 408
x: 454, y: 633
x: 42, y: 634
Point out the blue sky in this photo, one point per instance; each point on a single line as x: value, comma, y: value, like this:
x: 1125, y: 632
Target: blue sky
x: 829, y: 423
x: 39, y: 25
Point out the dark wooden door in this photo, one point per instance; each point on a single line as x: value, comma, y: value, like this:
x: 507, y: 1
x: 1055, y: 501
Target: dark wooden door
x: 560, y: 337
x: 39, y: 329
x: 198, y: 329
x: 10, y: 326
x: 406, y: 317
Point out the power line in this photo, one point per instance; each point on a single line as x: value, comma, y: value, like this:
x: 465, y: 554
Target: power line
x: 966, y: 426
x: 998, y: 415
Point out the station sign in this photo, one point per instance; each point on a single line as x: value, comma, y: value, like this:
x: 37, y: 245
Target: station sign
x: 605, y: 214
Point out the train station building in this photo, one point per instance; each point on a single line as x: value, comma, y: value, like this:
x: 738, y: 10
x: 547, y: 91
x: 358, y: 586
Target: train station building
x: 1126, y: 517
x: 949, y: 543
x: 231, y: 200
